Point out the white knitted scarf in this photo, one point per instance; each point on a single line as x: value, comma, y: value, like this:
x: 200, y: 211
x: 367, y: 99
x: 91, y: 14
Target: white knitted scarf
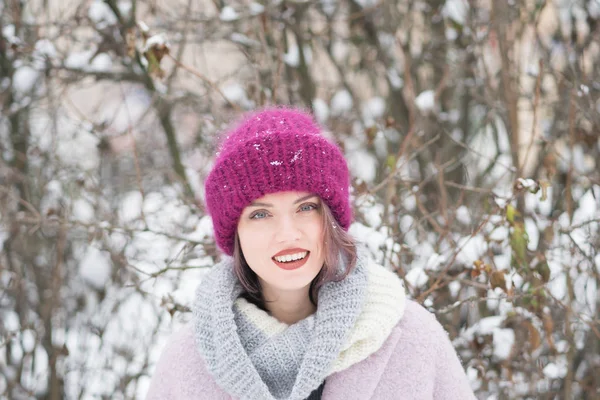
x: 254, y: 356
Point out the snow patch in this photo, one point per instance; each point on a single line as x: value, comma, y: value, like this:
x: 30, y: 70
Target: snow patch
x: 130, y: 208
x: 556, y: 370
x: 292, y: 57
x: 471, y: 249
x: 503, y: 342
x: 82, y: 211
x: 463, y: 215
x: 95, y: 267
x: 363, y: 165
x: 456, y: 10
x: 158, y: 40
x: 373, y: 109
x: 425, y: 101
x: 417, y: 277
x: 321, y: 110
x: 341, y: 102
x: 24, y: 80
x: 236, y: 94
x: 256, y: 8
x: 228, y: 14
x: 101, y: 14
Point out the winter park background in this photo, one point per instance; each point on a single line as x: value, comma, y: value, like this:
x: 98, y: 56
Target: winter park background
x: 472, y: 129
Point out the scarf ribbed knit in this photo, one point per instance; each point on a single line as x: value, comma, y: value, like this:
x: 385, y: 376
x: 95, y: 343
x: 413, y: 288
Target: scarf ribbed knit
x: 252, y: 355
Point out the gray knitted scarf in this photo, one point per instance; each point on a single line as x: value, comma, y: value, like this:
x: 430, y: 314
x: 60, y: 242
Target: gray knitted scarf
x: 248, y: 364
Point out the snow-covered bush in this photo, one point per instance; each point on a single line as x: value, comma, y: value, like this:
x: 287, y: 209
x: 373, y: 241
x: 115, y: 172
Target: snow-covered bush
x: 471, y: 128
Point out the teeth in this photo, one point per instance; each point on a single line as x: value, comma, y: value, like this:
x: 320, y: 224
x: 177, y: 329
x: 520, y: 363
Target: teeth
x: 292, y: 257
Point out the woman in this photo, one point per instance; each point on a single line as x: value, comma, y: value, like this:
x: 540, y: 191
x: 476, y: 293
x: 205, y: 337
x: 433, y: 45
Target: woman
x: 299, y: 311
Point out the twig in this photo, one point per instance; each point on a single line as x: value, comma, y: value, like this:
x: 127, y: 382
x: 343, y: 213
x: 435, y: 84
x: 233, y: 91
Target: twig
x: 536, y: 100
x: 136, y: 161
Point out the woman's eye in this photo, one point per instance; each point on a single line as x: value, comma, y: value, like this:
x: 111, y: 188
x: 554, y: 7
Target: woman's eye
x: 308, y: 207
x: 258, y: 215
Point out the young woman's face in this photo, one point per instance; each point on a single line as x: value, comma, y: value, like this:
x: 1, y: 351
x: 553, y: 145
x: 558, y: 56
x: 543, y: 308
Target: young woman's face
x: 281, y: 236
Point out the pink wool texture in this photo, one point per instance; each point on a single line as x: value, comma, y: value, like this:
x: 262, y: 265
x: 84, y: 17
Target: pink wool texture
x: 274, y: 150
x: 417, y: 361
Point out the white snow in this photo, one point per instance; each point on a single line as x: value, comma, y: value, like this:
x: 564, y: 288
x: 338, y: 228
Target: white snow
x: 380, y: 142
x: 533, y: 202
x: 10, y: 320
x: 329, y: 6
x: 463, y: 215
x: 43, y: 48
x: 558, y: 283
x: 101, y: 14
x: 124, y: 8
x: 237, y: 37
x: 472, y: 248
x: 593, y: 7
x: 425, y: 101
x: 527, y: 183
x: 417, y: 277
x: 371, y: 210
x: 484, y: 326
x: 292, y: 57
x: 503, y: 342
x: 79, y: 149
x: 102, y: 62
x: 591, y: 293
x: 256, y: 8
x: 367, y: 3
x: 454, y: 288
x: 371, y: 237
x: 340, y: 51
x: 28, y: 340
x: 143, y: 26
x: 203, y: 229
x: 157, y: 40
x: 406, y: 223
x: 555, y: 370
x: 131, y: 207
x: 321, y: 110
x: 95, y: 267
x: 587, y: 210
x: 341, y: 102
x: 228, y: 14
x: 456, y: 10
x: 410, y: 202
x: 79, y: 60
x: 533, y: 233
x: 3, y: 236
x: 373, y: 109
x: 8, y: 32
x: 82, y: 211
x: 362, y: 165
x: 435, y: 260
x: 451, y: 33
x: 473, y: 377
x: 236, y: 94
x: 24, y: 79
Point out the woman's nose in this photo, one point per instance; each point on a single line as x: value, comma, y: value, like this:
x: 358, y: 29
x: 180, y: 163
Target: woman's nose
x: 287, y: 230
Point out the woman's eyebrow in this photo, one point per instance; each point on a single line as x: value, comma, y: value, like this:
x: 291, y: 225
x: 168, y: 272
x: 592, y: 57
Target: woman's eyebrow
x: 257, y: 204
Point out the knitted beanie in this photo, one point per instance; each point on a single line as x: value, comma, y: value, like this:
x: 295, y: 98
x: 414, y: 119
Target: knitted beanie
x: 274, y: 150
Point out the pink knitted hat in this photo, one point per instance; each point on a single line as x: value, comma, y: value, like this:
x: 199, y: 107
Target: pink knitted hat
x: 274, y: 150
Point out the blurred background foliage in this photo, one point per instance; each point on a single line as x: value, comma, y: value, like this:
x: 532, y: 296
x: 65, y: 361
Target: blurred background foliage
x: 472, y: 129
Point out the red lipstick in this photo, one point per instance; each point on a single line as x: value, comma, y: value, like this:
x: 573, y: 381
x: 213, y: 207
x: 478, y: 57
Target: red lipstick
x: 291, y: 265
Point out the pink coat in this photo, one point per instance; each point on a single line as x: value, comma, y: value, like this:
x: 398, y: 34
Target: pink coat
x: 417, y: 361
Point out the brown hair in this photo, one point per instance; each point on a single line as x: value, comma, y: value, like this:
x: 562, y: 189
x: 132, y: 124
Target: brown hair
x: 336, y: 243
